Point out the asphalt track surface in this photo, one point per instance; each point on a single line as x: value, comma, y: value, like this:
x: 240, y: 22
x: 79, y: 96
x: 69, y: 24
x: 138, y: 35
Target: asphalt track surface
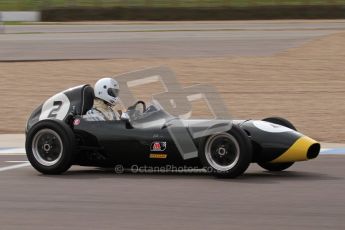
x: 158, y: 40
x: 308, y: 196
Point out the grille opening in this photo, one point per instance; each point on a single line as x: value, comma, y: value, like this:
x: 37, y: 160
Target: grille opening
x: 313, y: 151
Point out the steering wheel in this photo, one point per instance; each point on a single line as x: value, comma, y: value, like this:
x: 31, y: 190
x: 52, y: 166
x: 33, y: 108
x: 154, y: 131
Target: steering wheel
x: 136, y: 104
x: 136, y: 114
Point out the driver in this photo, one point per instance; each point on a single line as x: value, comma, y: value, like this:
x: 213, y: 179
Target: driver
x: 106, y: 98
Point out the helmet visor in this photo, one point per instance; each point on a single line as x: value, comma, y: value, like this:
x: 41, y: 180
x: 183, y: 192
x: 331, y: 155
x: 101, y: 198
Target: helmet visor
x: 113, y: 92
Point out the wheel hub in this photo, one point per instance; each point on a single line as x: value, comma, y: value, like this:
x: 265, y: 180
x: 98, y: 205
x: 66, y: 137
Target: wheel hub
x: 221, y: 151
x: 47, y: 147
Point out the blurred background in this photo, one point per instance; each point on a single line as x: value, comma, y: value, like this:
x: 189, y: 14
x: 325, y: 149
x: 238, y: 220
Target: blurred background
x: 66, y: 10
x: 41, y: 4
x: 287, y: 66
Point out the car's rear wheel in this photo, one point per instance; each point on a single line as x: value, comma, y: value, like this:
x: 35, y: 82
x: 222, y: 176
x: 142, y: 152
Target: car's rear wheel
x: 276, y: 167
x: 226, y: 154
x: 50, y: 146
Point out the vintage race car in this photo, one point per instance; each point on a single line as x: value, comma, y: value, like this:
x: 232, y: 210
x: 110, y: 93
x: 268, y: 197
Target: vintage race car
x: 59, y: 136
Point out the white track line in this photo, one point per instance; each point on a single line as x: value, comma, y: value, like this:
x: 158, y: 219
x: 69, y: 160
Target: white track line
x: 14, y: 166
x: 16, y: 161
x: 12, y: 151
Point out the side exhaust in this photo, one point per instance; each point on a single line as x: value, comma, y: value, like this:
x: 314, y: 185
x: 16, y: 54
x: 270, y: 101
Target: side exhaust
x: 303, y: 149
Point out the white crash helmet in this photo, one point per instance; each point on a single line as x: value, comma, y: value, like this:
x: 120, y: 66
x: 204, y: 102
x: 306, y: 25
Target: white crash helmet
x: 108, y: 90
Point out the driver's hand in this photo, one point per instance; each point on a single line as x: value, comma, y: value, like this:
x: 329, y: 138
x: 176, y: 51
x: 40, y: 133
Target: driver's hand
x: 124, y: 116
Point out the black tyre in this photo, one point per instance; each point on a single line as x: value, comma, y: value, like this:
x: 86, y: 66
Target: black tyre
x: 276, y: 167
x: 226, y: 154
x: 50, y: 146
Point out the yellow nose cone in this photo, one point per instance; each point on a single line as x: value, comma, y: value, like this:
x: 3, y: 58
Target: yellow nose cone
x: 303, y: 149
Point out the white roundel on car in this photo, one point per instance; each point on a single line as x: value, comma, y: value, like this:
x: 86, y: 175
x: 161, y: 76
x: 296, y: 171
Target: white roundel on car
x: 270, y: 127
x: 55, y: 107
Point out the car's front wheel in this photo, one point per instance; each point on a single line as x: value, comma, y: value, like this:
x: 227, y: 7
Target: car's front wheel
x: 50, y: 146
x: 226, y: 154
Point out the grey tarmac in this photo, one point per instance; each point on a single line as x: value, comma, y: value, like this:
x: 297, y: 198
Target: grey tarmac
x: 158, y: 39
x: 308, y: 196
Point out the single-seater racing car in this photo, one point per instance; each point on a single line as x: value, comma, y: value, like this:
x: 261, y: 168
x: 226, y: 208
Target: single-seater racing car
x: 58, y: 136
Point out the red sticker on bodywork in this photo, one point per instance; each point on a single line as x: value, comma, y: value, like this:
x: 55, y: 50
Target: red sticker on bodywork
x: 76, y: 122
x: 158, y: 146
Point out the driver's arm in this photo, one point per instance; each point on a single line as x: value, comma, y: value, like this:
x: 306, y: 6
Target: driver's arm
x: 94, y: 115
x: 118, y: 110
